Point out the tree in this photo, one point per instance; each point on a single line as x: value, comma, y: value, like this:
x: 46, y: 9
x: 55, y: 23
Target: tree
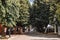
x: 58, y: 10
x: 23, y: 12
x: 54, y: 5
x: 39, y: 15
x: 9, y: 12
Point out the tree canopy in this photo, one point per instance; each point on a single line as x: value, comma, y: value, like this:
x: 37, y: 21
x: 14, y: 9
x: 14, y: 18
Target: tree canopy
x: 12, y: 10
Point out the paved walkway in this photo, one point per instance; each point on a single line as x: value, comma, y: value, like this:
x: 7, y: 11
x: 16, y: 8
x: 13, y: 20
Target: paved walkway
x: 26, y: 37
x: 33, y: 36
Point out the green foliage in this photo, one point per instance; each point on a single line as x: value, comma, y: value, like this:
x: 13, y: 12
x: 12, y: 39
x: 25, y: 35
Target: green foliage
x: 58, y: 10
x: 44, y: 11
x: 9, y: 13
x: 12, y: 11
x: 55, y: 8
x: 39, y: 13
x: 24, y: 14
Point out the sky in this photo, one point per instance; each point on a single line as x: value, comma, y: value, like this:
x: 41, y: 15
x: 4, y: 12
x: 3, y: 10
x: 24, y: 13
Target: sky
x: 31, y: 1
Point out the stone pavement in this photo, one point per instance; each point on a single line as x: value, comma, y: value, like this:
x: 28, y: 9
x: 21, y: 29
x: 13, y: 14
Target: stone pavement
x: 33, y: 36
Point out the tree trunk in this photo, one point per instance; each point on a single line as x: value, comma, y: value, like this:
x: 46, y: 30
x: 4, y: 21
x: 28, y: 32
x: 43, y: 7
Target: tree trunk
x: 4, y: 29
x: 20, y: 30
x: 55, y: 29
